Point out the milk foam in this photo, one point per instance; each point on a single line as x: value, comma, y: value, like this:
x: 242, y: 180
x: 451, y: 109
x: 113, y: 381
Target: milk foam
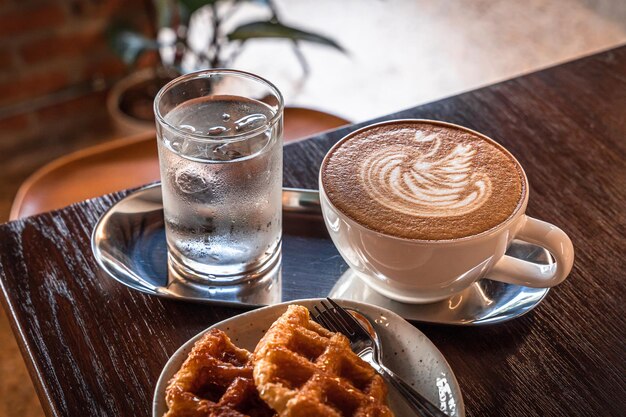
x: 424, y: 179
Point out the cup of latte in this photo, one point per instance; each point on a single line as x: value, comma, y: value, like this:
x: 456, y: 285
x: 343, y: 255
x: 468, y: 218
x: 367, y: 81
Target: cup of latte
x: 421, y: 209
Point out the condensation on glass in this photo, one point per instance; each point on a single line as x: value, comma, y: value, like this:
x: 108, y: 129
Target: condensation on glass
x: 219, y: 136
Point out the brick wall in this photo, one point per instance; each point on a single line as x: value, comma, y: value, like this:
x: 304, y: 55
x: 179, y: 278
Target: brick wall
x: 55, y: 68
x: 49, y: 47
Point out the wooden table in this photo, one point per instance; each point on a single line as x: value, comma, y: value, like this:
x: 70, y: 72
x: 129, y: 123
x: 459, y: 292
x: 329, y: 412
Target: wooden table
x: 95, y: 348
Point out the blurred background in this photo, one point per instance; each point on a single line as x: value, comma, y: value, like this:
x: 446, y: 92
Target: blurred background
x: 77, y: 73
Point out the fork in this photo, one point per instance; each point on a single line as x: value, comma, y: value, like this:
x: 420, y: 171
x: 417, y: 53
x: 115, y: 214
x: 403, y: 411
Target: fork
x: 337, y: 319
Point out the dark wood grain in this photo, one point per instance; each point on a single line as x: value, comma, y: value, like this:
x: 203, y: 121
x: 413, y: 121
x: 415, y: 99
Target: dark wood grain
x: 96, y: 348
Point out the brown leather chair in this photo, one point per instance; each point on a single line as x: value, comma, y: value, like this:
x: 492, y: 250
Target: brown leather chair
x: 125, y: 163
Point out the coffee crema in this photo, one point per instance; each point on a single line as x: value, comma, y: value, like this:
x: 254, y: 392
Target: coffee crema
x: 423, y: 180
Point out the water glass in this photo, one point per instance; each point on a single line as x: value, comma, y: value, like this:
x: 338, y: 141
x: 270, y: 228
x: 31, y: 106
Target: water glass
x: 219, y: 135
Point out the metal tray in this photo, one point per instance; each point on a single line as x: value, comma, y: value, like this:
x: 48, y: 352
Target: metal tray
x: 129, y: 244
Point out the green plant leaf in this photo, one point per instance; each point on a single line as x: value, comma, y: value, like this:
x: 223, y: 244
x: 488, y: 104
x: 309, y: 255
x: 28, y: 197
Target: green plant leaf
x: 164, y: 12
x: 272, y: 29
x: 129, y: 45
x: 193, y: 5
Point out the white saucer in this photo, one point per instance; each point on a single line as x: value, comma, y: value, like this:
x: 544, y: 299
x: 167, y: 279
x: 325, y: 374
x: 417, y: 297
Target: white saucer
x: 408, y: 352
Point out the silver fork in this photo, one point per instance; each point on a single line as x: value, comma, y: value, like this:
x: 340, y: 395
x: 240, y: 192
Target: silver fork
x: 337, y: 319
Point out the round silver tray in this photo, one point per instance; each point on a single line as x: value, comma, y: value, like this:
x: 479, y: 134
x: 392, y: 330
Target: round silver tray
x: 129, y: 244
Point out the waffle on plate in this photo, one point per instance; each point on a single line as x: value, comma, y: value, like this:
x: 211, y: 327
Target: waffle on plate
x: 303, y: 370
x: 299, y: 369
x: 215, y: 381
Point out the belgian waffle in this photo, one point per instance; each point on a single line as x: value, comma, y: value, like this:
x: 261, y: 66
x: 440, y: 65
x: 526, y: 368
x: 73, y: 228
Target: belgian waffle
x: 303, y: 370
x: 215, y: 381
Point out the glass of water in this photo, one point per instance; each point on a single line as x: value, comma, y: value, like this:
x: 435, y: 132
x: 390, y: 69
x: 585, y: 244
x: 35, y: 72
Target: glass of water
x: 219, y: 136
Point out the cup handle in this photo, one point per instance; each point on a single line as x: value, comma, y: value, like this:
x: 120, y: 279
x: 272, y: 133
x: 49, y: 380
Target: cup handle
x: 516, y: 271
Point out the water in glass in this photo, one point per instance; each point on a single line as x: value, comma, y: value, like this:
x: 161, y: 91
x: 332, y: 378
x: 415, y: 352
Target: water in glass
x: 221, y: 192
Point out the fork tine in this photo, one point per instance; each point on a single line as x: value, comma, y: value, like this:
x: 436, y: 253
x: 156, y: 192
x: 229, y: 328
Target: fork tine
x: 324, y: 315
x: 315, y: 317
x: 319, y: 318
x: 331, y: 316
x: 340, y: 313
x: 350, y: 321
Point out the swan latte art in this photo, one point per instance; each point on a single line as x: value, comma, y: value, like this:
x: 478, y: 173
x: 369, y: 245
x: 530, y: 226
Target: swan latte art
x: 423, y: 180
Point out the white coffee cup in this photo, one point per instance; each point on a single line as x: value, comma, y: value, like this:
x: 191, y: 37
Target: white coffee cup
x: 423, y: 271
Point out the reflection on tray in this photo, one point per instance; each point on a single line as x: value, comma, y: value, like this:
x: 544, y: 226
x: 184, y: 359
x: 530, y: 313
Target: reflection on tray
x: 265, y: 290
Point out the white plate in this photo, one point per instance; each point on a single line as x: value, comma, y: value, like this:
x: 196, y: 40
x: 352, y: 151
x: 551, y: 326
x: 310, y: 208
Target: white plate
x: 407, y: 351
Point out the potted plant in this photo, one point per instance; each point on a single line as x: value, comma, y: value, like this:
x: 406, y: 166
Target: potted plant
x: 130, y: 100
